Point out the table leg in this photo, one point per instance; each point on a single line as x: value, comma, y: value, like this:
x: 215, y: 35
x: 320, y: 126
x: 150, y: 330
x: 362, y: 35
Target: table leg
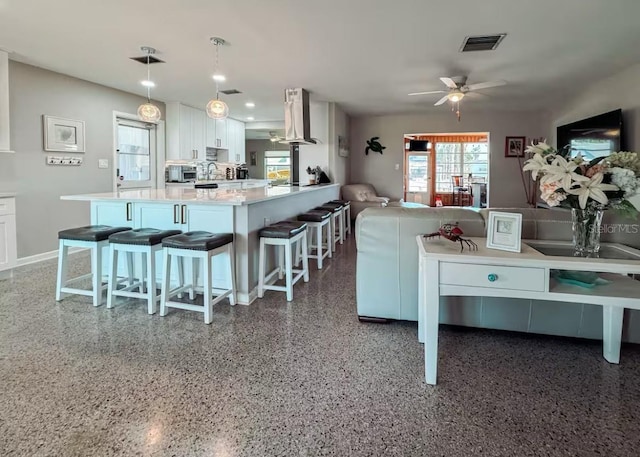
x: 431, y: 315
x: 611, y: 332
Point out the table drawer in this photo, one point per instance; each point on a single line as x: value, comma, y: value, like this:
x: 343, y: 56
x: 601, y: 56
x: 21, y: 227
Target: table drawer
x: 7, y: 206
x: 496, y: 277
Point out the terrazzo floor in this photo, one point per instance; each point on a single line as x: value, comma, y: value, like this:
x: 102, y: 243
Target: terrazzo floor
x: 294, y: 379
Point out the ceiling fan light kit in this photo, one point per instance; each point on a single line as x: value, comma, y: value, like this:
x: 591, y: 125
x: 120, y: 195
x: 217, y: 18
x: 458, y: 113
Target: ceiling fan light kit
x: 148, y: 112
x: 216, y: 108
x: 457, y: 89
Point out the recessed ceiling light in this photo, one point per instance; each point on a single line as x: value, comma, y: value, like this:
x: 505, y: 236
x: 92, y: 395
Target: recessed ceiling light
x: 220, y: 78
x: 148, y: 83
x: 250, y: 105
x: 250, y: 118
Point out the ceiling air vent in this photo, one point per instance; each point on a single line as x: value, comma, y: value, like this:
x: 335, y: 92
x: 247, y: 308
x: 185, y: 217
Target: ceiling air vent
x: 231, y: 91
x: 482, y: 42
x: 143, y: 59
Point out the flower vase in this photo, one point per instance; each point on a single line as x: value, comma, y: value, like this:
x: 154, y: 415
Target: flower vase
x: 586, y: 225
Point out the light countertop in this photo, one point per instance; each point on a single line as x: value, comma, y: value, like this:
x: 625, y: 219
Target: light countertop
x: 176, y: 194
x: 7, y: 194
x: 218, y: 181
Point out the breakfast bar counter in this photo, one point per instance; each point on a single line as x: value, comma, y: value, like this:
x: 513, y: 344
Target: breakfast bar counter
x: 242, y: 212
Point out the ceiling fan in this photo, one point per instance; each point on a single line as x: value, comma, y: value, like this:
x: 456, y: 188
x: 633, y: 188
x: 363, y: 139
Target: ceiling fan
x: 274, y: 137
x: 458, y: 88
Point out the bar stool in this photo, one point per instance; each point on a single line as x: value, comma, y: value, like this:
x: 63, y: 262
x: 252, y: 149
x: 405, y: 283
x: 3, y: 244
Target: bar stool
x: 94, y: 237
x: 146, y: 241
x: 337, y: 222
x: 200, y: 247
x: 283, y: 235
x: 347, y: 215
x: 317, y: 222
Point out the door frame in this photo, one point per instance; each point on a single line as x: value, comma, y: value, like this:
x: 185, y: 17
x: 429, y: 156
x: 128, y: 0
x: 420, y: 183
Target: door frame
x: 160, y: 148
x: 405, y: 178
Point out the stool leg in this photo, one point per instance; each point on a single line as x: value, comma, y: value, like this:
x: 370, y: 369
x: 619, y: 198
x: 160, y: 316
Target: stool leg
x: 305, y: 259
x: 327, y: 229
x: 281, y: 253
x: 166, y: 281
x: 152, y: 305
x: 61, y: 279
x: 96, y: 270
x: 180, y: 267
x: 129, y: 256
x: 348, y: 221
x: 288, y: 259
x: 143, y: 266
x: 194, y: 277
x: 208, y: 307
x: 319, y: 245
x: 262, y: 260
x: 341, y: 228
x: 232, y: 274
x: 113, y: 276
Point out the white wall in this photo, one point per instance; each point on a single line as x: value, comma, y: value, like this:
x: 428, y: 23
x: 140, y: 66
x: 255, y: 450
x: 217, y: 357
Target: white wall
x: 505, y: 183
x: 313, y: 155
x: 338, y: 126
x: 40, y: 212
x: 620, y: 90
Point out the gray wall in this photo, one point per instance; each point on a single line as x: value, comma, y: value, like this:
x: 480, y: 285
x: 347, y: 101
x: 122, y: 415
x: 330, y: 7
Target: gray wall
x: 32, y: 93
x: 338, y: 126
x: 259, y: 146
x: 505, y: 182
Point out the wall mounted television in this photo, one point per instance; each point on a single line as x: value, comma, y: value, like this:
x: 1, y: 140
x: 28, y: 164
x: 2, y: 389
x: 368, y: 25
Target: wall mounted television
x: 419, y: 145
x: 594, y: 137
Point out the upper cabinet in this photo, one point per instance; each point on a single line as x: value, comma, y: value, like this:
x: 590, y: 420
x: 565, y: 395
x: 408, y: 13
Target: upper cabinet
x: 217, y: 135
x: 186, y: 132
x: 236, y: 137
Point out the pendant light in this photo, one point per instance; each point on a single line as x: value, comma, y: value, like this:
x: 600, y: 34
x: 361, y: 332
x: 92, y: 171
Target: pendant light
x: 216, y: 108
x: 148, y: 112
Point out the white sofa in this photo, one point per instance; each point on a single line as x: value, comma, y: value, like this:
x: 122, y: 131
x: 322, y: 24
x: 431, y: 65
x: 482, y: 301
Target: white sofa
x: 387, y: 273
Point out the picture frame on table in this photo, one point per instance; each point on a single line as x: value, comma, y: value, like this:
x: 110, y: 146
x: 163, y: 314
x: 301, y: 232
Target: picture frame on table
x: 63, y: 135
x: 504, y: 231
x: 514, y: 146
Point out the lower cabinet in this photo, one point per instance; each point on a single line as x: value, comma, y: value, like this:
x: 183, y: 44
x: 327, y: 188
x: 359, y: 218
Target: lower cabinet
x: 8, y: 242
x: 166, y: 216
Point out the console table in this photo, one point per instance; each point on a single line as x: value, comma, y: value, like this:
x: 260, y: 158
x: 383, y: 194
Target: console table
x: 445, y: 271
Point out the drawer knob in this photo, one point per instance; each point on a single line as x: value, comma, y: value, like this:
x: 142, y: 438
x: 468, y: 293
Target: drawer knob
x: 492, y: 277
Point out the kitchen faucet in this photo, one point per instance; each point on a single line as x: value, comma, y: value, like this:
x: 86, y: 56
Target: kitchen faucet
x: 209, y: 169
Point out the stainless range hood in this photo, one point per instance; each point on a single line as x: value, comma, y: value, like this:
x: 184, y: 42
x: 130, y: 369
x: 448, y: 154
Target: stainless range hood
x: 297, y: 129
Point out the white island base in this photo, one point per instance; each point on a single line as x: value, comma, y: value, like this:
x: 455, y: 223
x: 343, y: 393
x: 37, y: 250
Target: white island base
x: 242, y: 212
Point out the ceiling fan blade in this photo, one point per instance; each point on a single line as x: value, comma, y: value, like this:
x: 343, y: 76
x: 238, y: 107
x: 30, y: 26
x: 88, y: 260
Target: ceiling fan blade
x: 486, y: 85
x: 428, y: 92
x: 449, y: 82
x: 442, y: 100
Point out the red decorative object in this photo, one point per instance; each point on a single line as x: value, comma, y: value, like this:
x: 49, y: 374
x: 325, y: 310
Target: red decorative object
x: 454, y: 233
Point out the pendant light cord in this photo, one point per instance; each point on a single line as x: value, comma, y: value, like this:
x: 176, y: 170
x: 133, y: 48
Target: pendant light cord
x: 148, y: 79
x: 215, y: 71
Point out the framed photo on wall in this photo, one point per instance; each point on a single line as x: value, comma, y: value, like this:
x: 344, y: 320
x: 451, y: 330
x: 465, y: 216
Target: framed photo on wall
x: 343, y: 146
x: 504, y: 231
x: 63, y: 135
x: 514, y: 146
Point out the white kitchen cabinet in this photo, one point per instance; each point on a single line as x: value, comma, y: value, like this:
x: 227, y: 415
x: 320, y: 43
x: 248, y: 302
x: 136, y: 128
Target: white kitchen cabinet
x: 8, y: 241
x: 186, y: 132
x: 236, y: 138
x: 115, y: 214
x: 217, y: 133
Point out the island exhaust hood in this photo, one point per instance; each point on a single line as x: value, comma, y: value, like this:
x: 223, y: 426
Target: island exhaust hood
x: 297, y: 129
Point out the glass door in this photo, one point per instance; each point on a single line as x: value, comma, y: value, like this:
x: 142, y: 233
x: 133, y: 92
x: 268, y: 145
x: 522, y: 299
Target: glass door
x: 135, y: 155
x: 417, y: 187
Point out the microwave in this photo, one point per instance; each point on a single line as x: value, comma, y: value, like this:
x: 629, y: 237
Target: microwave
x: 181, y: 173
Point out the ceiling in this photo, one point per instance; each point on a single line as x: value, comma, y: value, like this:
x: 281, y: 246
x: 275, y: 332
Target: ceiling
x: 365, y: 55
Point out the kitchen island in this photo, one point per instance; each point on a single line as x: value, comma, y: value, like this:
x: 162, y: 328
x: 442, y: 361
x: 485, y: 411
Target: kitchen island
x: 240, y: 211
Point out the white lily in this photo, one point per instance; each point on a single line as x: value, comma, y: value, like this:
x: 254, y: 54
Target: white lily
x: 537, y: 164
x: 593, y: 188
x: 562, y: 172
x: 541, y: 148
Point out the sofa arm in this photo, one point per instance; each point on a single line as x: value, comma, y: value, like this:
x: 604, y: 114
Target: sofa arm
x: 378, y: 199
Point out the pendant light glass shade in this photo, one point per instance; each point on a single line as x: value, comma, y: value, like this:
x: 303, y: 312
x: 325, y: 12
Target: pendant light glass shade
x: 217, y: 109
x: 148, y: 112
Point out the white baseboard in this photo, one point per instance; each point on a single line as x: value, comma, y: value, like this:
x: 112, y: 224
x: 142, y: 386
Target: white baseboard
x: 45, y: 256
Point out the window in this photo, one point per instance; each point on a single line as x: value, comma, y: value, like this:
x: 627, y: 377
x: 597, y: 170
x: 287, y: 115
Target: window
x: 134, y: 161
x: 277, y: 167
x: 460, y: 159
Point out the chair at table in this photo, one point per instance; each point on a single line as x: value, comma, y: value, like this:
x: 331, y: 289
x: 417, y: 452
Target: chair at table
x: 460, y: 190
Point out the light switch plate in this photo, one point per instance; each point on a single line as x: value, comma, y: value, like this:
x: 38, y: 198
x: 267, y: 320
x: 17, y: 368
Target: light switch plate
x: 397, y: 166
x: 103, y: 163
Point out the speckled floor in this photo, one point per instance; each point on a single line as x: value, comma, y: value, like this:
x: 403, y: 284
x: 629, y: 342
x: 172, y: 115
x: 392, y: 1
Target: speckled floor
x: 298, y: 379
